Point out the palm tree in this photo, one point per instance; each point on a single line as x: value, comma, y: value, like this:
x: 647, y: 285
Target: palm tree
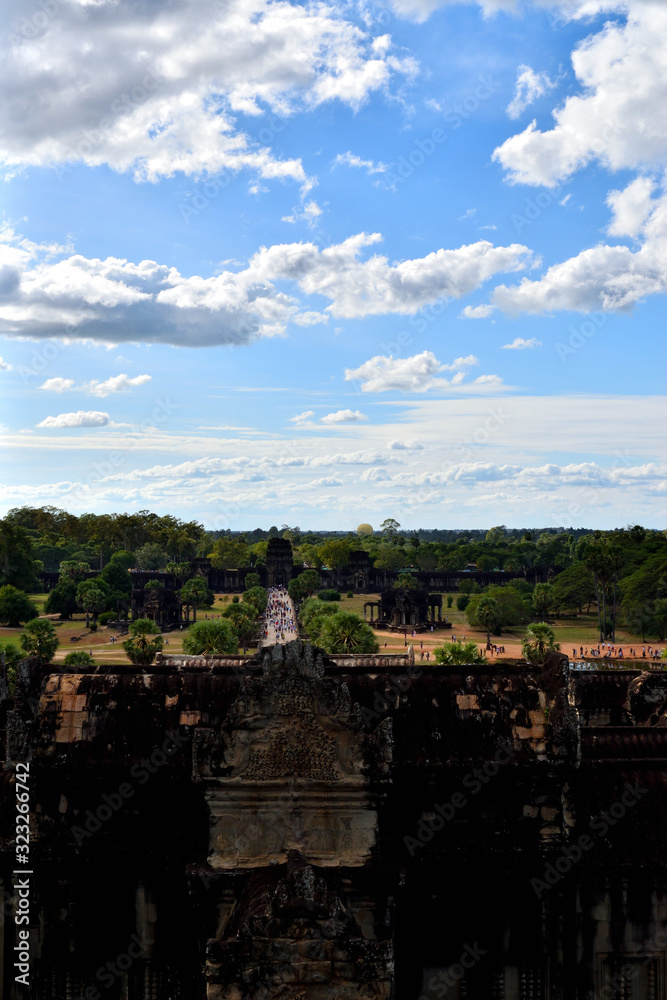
x: 539, y: 640
x: 346, y: 632
x: 486, y: 615
x: 458, y: 654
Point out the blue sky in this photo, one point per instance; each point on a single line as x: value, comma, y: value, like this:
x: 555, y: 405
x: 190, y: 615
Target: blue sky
x: 265, y: 262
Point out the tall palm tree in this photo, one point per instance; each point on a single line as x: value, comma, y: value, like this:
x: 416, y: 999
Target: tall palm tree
x: 539, y: 640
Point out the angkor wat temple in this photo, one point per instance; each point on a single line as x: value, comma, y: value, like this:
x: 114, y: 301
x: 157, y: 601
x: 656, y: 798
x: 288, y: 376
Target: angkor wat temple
x: 295, y: 826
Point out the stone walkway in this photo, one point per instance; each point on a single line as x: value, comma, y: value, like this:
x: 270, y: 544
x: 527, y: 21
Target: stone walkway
x: 279, y: 607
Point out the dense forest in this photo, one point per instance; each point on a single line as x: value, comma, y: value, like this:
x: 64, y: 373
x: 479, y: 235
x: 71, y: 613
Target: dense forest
x: 621, y: 573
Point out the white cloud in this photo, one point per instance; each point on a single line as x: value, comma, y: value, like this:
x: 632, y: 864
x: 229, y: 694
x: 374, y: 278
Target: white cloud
x: 343, y: 417
x: 82, y: 418
x: 414, y: 374
x: 519, y: 344
x: 309, y: 213
x: 618, y: 119
x: 606, y: 278
x: 154, y: 88
x: 631, y: 207
x: 529, y: 86
x: 563, y: 10
x: 4, y: 366
x: 376, y: 287
x: 349, y: 159
x: 477, y: 312
x: 407, y: 444
x: 57, y: 384
x: 374, y: 476
x: 116, y: 300
x: 117, y: 383
x: 302, y: 418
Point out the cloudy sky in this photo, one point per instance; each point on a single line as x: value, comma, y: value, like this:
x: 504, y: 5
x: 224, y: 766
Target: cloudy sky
x: 319, y: 263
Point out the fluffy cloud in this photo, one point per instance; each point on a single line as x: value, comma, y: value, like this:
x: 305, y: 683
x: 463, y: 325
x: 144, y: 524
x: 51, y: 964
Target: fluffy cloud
x: 520, y: 344
x: 343, y: 417
x: 153, y: 88
x: 4, y: 366
x: 349, y: 159
x: 116, y: 300
x: 117, y: 383
x: 376, y: 287
x: 631, y: 207
x: 529, y: 86
x: 82, y: 418
x: 302, y: 418
x: 607, y: 278
x: 414, y: 374
x: 618, y: 119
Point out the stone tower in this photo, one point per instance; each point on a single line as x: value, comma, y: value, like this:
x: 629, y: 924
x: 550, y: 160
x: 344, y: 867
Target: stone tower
x: 279, y: 562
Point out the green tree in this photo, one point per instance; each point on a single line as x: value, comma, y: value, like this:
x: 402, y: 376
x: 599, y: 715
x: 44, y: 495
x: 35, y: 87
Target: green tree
x: 542, y: 599
x: 252, y: 580
x: 389, y: 527
x: 573, y: 588
x: 181, y: 570
x: 92, y: 598
x: 458, y: 654
x: 539, y: 640
x: 229, y: 553
x: 62, y: 599
x: 462, y: 602
x: 346, y: 632
x: 196, y: 592
x: 391, y: 558
x: 15, y: 606
x: 215, y: 636
x: 79, y: 658
x: 17, y: 566
x: 639, y: 619
x: 140, y: 648
x: 406, y: 582
x: 257, y: 598
x: 73, y: 569
x: 335, y: 553
x: 116, y: 576
x: 151, y: 556
x: 243, y: 618
x: 39, y: 639
x: 484, y: 612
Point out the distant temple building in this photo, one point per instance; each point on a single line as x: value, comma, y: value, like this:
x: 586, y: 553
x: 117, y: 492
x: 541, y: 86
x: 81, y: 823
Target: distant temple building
x: 405, y: 610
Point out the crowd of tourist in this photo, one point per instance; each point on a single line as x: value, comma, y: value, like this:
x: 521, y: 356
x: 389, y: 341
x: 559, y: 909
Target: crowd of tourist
x: 279, y: 622
x: 611, y: 651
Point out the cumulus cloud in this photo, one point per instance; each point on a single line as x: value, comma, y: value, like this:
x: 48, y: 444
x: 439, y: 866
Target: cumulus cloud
x: 303, y: 418
x: 82, y: 418
x: 519, y: 344
x: 154, y: 88
x: 4, y: 366
x: 117, y: 383
x: 414, y: 374
x: 606, y: 278
x: 529, y: 86
x: 408, y: 444
x: 116, y: 300
x: 349, y: 159
x: 618, y: 118
x: 477, y: 312
x: 343, y: 417
x: 631, y: 207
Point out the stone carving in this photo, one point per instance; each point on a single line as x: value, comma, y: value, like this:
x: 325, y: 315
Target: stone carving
x: 293, y: 772
x: 293, y: 936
